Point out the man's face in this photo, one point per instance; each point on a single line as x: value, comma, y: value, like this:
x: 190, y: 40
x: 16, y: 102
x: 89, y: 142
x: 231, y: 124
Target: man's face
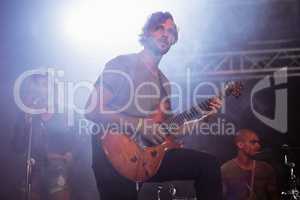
x: 162, y: 37
x: 250, y: 144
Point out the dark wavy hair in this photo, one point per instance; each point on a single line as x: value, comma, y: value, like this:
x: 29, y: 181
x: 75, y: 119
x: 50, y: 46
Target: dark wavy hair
x: 153, y: 21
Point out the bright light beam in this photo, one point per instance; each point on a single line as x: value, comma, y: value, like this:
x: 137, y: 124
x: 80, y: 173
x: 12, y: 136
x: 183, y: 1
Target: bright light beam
x: 107, y: 23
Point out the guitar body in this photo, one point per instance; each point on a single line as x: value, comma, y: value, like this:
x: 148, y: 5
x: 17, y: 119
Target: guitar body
x: 130, y: 160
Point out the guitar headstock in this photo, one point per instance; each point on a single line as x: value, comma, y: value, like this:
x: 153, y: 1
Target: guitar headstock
x: 233, y: 88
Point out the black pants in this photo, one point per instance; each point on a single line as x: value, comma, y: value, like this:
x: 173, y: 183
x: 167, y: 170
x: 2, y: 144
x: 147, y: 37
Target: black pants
x: 178, y: 164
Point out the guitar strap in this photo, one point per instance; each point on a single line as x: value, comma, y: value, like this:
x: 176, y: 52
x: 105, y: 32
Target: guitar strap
x: 164, y: 94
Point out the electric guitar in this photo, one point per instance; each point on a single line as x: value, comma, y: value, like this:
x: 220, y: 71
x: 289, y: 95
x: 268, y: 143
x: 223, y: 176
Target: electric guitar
x: 139, y: 162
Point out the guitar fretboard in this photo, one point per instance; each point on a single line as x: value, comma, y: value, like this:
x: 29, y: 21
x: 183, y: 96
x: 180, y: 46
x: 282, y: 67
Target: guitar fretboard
x: 190, y: 114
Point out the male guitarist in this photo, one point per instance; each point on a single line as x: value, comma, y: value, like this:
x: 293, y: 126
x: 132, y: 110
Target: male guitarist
x: 132, y: 93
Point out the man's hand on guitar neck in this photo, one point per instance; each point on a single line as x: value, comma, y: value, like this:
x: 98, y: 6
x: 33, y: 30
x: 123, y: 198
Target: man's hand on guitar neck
x: 215, y: 104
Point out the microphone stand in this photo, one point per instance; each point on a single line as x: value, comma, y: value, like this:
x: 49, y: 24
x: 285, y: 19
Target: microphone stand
x: 292, y: 193
x: 29, y: 162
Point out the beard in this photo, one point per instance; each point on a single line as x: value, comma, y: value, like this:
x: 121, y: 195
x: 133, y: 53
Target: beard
x: 154, y: 47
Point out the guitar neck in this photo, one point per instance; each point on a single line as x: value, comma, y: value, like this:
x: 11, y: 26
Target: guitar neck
x: 188, y: 115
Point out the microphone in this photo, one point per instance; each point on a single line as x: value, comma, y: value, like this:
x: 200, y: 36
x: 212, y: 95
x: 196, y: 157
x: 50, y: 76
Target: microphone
x: 284, y: 147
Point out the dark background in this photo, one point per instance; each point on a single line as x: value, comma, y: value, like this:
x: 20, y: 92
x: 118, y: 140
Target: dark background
x: 29, y: 39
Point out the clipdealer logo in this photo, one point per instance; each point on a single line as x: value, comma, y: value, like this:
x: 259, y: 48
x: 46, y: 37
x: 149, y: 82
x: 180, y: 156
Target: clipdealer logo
x: 279, y: 122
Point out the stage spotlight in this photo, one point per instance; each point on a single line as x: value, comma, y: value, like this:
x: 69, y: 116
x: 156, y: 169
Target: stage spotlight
x: 107, y: 23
